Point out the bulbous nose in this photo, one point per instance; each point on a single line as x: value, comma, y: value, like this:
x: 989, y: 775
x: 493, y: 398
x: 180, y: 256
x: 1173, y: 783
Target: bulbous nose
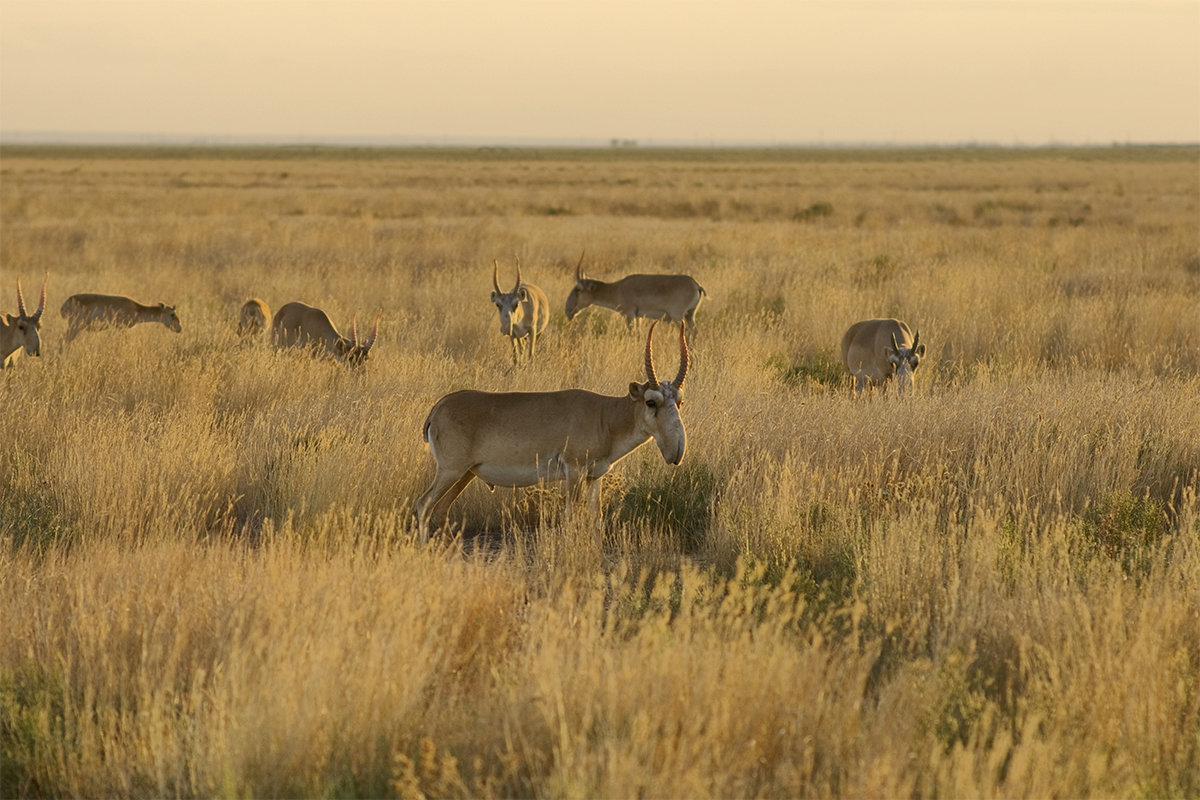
x: 672, y: 449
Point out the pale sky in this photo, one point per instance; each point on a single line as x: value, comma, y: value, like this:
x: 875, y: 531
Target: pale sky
x: 890, y: 71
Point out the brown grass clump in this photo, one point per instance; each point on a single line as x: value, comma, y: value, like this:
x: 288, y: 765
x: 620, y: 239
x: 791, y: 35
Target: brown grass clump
x: 992, y: 588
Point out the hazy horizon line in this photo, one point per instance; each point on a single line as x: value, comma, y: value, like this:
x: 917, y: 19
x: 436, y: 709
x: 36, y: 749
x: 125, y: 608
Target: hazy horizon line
x: 101, y: 138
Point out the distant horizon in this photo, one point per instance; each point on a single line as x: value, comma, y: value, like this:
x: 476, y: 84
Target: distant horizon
x: 149, y: 139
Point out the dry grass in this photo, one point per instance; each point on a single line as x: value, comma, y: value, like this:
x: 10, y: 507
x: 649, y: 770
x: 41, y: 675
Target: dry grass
x: 209, y: 581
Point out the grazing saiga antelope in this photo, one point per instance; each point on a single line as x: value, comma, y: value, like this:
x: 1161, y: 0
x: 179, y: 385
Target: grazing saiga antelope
x: 523, y: 438
x: 254, y: 318
x: 523, y: 312
x: 97, y: 311
x: 669, y: 297
x: 300, y: 325
x: 22, y: 330
x: 875, y: 350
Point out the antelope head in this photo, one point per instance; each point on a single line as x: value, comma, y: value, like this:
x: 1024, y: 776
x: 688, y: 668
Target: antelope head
x: 23, y: 328
x: 580, y: 296
x: 904, y: 361
x: 510, y: 303
x: 661, y: 400
x: 355, y: 352
x: 169, y: 317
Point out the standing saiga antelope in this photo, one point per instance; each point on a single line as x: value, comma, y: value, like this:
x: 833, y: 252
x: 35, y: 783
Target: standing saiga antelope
x: 254, y: 318
x: 523, y: 312
x: 300, y: 325
x: 22, y: 330
x: 523, y: 438
x: 876, y: 350
x: 669, y: 297
x: 96, y: 311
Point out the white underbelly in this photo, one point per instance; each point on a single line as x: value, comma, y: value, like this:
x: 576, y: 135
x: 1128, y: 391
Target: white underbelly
x: 520, y: 475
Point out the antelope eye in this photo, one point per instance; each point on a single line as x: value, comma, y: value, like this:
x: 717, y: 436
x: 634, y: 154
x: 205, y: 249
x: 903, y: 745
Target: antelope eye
x: 652, y: 403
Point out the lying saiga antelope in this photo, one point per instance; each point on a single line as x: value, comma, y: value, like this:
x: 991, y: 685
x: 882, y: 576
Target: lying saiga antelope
x: 875, y: 350
x: 22, y: 330
x: 669, y: 297
x: 523, y: 312
x: 522, y: 438
x: 96, y: 311
x: 254, y: 318
x: 300, y: 325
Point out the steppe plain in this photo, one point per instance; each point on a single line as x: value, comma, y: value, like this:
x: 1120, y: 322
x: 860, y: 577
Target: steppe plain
x: 210, y: 584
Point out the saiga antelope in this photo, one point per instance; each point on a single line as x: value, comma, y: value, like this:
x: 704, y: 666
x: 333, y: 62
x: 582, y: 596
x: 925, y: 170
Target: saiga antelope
x: 300, y: 325
x: 876, y: 350
x: 523, y: 438
x: 669, y: 297
x: 96, y: 311
x: 523, y: 312
x: 22, y: 330
x: 254, y: 318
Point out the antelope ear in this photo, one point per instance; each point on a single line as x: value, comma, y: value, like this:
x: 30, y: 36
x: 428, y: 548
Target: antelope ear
x: 494, y: 297
x: 523, y: 295
x: 636, y: 391
x: 11, y: 319
x: 920, y: 351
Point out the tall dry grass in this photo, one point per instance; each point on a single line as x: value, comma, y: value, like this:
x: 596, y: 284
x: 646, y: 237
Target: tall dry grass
x: 210, y: 585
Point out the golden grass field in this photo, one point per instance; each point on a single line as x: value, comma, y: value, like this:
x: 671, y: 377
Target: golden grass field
x: 209, y: 584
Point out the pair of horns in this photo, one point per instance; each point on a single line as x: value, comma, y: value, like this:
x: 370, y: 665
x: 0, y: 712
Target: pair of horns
x: 354, y: 332
x: 683, y: 358
x: 495, y: 276
x: 41, y: 301
x: 916, y: 339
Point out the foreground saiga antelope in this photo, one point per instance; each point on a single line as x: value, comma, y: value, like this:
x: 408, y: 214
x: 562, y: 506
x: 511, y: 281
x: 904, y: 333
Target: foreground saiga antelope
x: 875, y: 350
x: 669, y: 297
x: 22, y: 330
x: 254, y: 318
x: 97, y: 311
x: 523, y: 312
x: 300, y: 325
x: 522, y: 438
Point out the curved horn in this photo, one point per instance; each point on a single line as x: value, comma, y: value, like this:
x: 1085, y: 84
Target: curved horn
x: 354, y: 331
x: 518, y: 286
x: 650, y: 355
x: 20, y: 300
x: 374, y: 332
x: 495, y: 277
x: 579, y: 267
x: 683, y: 360
x: 41, y: 300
